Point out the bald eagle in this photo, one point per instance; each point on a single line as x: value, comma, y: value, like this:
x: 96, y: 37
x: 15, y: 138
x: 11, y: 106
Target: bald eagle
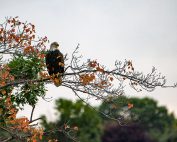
x: 55, y: 63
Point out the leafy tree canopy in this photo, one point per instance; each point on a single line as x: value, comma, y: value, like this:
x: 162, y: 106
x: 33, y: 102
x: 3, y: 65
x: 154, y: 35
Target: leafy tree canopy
x: 80, y: 121
x: 155, y: 119
x: 146, y: 116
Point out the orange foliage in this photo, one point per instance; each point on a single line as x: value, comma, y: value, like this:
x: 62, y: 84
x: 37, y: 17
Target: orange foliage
x: 43, y: 75
x: 94, y: 78
x: 111, y: 78
x: 100, y: 69
x: 5, y: 76
x: 2, y: 83
x: 18, y: 34
x: 20, y: 124
x: 29, y: 49
x: 36, y: 134
x: 87, y: 78
x: 42, y: 56
x: 130, y: 105
x: 23, y: 125
x: 93, y: 64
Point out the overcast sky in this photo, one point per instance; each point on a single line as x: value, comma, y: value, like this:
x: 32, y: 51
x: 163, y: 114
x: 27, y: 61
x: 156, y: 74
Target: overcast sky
x: 144, y: 31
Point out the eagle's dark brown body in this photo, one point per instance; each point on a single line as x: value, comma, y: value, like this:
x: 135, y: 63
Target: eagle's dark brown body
x: 55, y: 65
x: 55, y: 62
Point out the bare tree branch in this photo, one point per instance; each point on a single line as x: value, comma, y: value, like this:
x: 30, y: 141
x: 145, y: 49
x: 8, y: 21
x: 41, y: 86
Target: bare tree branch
x: 31, y: 117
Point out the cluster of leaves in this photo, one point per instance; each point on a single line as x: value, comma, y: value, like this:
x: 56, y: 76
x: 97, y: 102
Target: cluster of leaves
x: 27, y: 69
x: 25, y: 56
x: 17, y: 37
x: 94, y: 77
x: 16, y: 128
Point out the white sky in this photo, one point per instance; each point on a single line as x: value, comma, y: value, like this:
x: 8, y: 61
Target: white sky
x: 144, y: 31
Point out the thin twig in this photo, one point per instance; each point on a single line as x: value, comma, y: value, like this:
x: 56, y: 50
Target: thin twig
x: 102, y: 113
x: 35, y: 120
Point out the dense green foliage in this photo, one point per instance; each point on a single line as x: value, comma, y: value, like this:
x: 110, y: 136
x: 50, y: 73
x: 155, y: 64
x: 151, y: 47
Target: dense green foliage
x: 74, y: 114
x: 155, y: 120
x: 25, y: 68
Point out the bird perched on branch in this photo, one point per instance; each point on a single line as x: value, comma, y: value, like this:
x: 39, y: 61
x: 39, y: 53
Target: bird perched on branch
x: 55, y: 63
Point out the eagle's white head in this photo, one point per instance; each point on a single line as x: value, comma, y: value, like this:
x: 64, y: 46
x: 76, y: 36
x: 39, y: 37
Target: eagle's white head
x: 54, y: 46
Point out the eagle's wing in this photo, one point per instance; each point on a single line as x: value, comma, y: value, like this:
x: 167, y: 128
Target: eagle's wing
x: 49, y: 62
x: 58, y: 62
